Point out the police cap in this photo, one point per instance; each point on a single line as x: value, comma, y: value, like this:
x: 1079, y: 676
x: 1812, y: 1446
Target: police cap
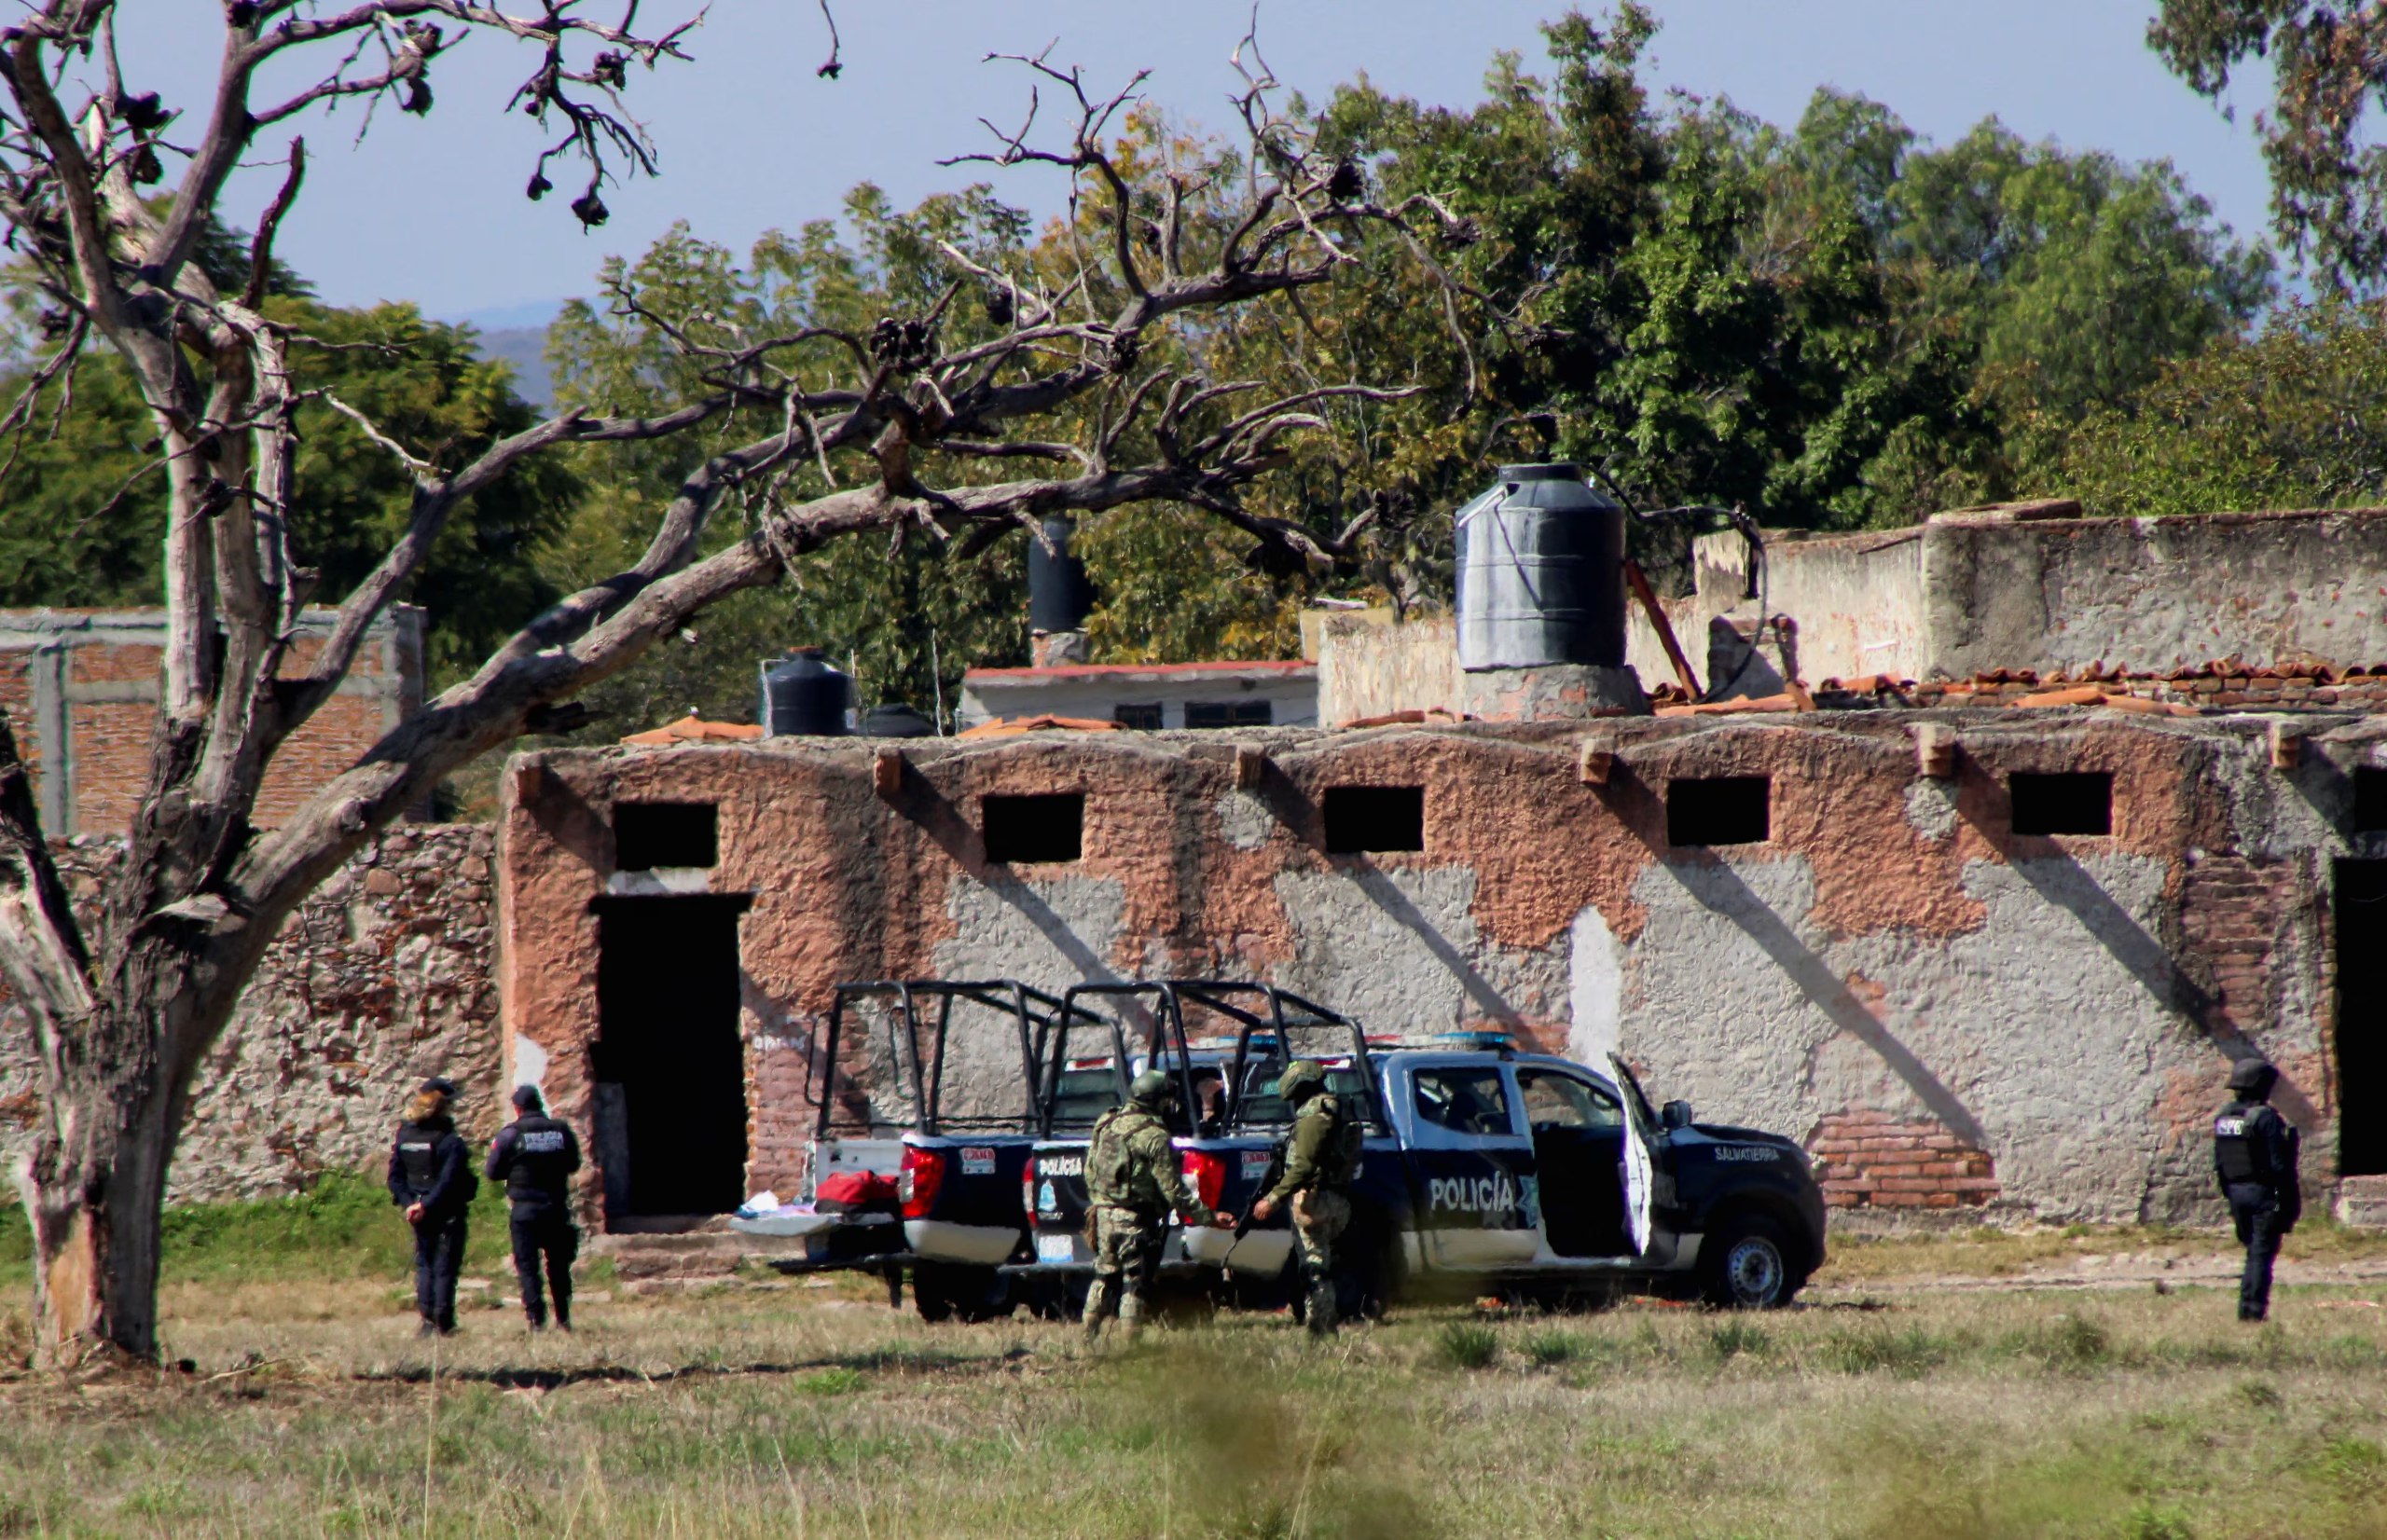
x: 526, y: 1098
x: 441, y: 1084
x: 1151, y: 1089
x: 2254, y: 1075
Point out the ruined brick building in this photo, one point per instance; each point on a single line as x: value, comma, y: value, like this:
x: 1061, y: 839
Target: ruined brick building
x: 1986, y: 944
x: 1984, y: 934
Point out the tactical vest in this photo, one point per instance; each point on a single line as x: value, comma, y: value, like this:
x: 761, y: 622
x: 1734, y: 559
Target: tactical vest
x: 542, y: 1166
x: 418, y: 1154
x: 2239, y: 1148
x: 1338, y: 1158
x: 1111, y: 1165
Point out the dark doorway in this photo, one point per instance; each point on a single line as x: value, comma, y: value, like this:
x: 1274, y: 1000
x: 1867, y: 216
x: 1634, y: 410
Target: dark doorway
x: 670, y: 1069
x: 2362, y: 1018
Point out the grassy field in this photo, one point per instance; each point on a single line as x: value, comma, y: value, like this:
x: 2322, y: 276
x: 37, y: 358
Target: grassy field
x: 772, y: 1408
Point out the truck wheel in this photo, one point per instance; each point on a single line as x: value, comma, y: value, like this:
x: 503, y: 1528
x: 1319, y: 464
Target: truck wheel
x: 928, y: 1295
x: 1745, y: 1264
x: 980, y: 1294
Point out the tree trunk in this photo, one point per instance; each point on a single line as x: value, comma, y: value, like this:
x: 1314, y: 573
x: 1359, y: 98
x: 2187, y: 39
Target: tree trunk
x: 94, y: 1184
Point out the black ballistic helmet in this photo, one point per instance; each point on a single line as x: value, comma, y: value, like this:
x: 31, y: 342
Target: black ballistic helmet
x: 2253, y: 1076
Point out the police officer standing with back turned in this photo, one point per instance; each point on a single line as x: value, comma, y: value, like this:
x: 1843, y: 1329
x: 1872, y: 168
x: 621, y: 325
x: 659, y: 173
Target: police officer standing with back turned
x: 1322, y: 1156
x: 431, y: 1178
x: 1133, y: 1182
x: 2253, y: 1158
x: 535, y: 1155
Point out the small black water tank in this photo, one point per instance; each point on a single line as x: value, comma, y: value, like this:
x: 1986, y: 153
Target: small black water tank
x: 1540, y: 572
x: 897, y: 721
x: 1058, y: 594
x: 804, y: 695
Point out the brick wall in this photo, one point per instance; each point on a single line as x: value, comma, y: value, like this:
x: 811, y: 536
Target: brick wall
x: 80, y: 689
x: 1872, y: 1160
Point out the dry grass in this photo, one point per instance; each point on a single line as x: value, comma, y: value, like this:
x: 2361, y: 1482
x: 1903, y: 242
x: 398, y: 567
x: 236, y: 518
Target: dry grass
x: 816, y: 1410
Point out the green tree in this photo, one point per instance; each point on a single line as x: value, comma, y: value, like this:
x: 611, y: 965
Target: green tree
x: 2328, y: 68
x: 2295, y: 417
x: 84, y: 516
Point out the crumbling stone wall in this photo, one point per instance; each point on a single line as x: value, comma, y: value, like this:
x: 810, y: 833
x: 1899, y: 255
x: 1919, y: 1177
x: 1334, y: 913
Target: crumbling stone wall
x: 2041, y: 1023
x: 382, y: 978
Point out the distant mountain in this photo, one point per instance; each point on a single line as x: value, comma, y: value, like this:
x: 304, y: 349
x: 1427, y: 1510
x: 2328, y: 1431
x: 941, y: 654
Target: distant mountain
x: 517, y: 335
x: 524, y: 347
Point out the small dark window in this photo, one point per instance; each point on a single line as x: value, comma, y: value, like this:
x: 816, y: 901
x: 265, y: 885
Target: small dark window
x: 1720, y: 810
x: 2369, y: 801
x: 2075, y: 801
x: 1144, y: 719
x: 1049, y: 827
x: 1364, y: 818
x: 1228, y: 713
x: 648, y: 834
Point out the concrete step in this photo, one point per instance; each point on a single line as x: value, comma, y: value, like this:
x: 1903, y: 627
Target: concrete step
x: 2362, y: 1202
x: 701, y: 1255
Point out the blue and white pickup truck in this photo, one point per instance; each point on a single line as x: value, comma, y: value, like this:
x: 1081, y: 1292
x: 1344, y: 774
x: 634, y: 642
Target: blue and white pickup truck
x: 955, y: 1067
x: 1484, y: 1170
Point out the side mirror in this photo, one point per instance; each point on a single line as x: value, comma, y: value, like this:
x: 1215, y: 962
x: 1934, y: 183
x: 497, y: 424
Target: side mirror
x: 1674, y: 1114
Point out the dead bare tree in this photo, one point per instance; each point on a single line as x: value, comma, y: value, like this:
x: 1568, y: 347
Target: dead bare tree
x: 125, y: 1000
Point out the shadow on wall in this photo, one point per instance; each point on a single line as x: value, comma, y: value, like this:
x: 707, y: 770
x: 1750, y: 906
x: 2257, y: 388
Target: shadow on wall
x: 936, y: 814
x: 2058, y: 877
x: 1721, y: 889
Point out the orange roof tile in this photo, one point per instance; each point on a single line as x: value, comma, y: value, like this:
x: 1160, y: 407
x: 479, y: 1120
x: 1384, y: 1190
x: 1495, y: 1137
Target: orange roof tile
x: 1003, y: 727
x: 694, y: 729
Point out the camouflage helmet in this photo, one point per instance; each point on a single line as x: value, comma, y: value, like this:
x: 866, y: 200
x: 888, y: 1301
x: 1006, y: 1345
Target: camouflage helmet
x: 2252, y: 1075
x: 1301, y: 1080
x: 1151, y: 1089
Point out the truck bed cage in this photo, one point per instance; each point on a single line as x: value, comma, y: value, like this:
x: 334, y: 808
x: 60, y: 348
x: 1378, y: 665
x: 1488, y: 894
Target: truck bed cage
x: 1261, y: 1012
x: 1035, y: 1014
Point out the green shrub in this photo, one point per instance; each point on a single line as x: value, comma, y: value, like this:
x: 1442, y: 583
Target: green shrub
x: 1877, y: 1350
x: 1548, y: 1349
x: 1468, y: 1345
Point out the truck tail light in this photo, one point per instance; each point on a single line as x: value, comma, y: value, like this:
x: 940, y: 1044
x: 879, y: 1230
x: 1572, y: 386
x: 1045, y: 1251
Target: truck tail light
x: 1028, y: 1190
x: 923, y: 1174
x: 1208, y: 1175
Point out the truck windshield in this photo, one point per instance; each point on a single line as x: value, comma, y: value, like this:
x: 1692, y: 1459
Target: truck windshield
x: 1089, y: 1089
x: 1262, y: 1105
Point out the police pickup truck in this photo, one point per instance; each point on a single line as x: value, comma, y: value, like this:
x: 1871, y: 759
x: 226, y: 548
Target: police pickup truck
x: 945, y: 1109
x: 1483, y: 1170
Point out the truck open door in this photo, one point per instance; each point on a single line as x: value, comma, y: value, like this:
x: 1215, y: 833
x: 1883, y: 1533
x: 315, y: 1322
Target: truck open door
x: 1639, y: 1174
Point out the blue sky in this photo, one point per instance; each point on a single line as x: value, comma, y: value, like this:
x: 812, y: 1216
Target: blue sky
x: 431, y: 210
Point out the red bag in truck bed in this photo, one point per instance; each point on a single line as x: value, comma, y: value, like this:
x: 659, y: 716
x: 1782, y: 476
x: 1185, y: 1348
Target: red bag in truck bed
x: 848, y: 1191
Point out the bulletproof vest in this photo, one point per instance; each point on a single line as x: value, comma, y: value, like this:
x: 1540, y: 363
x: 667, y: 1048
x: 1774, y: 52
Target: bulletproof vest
x: 1338, y: 1158
x: 2239, y: 1148
x: 419, y: 1153
x: 1111, y: 1165
x: 542, y: 1158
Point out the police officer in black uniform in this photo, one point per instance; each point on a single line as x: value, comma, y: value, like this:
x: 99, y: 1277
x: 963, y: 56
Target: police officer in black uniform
x: 2253, y: 1158
x: 535, y: 1155
x: 431, y: 1178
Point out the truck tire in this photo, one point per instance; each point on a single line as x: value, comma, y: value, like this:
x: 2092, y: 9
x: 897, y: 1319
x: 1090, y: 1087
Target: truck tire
x: 1747, y: 1263
x: 945, y: 1291
x: 928, y: 1295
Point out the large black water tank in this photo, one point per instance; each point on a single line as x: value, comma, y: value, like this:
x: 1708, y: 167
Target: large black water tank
x: 1058, y: 594
x: 1540, y: 572
x: 802, y: 695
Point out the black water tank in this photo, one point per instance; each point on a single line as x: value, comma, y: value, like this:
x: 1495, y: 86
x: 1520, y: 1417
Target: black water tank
x: 897, y: 721
x: 1058, y: 594
x: 1540, y: 572
x: 804, y: 695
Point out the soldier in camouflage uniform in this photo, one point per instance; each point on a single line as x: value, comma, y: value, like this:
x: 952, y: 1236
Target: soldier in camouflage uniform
x: 1322, y: 1156
x: 1133, y: 1182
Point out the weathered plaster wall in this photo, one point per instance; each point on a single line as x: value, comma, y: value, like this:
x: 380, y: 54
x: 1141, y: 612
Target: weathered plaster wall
x: 1956, y: 1015
x: 382, y: 979
x: 1366, y: 669
x: 2154, y: 594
